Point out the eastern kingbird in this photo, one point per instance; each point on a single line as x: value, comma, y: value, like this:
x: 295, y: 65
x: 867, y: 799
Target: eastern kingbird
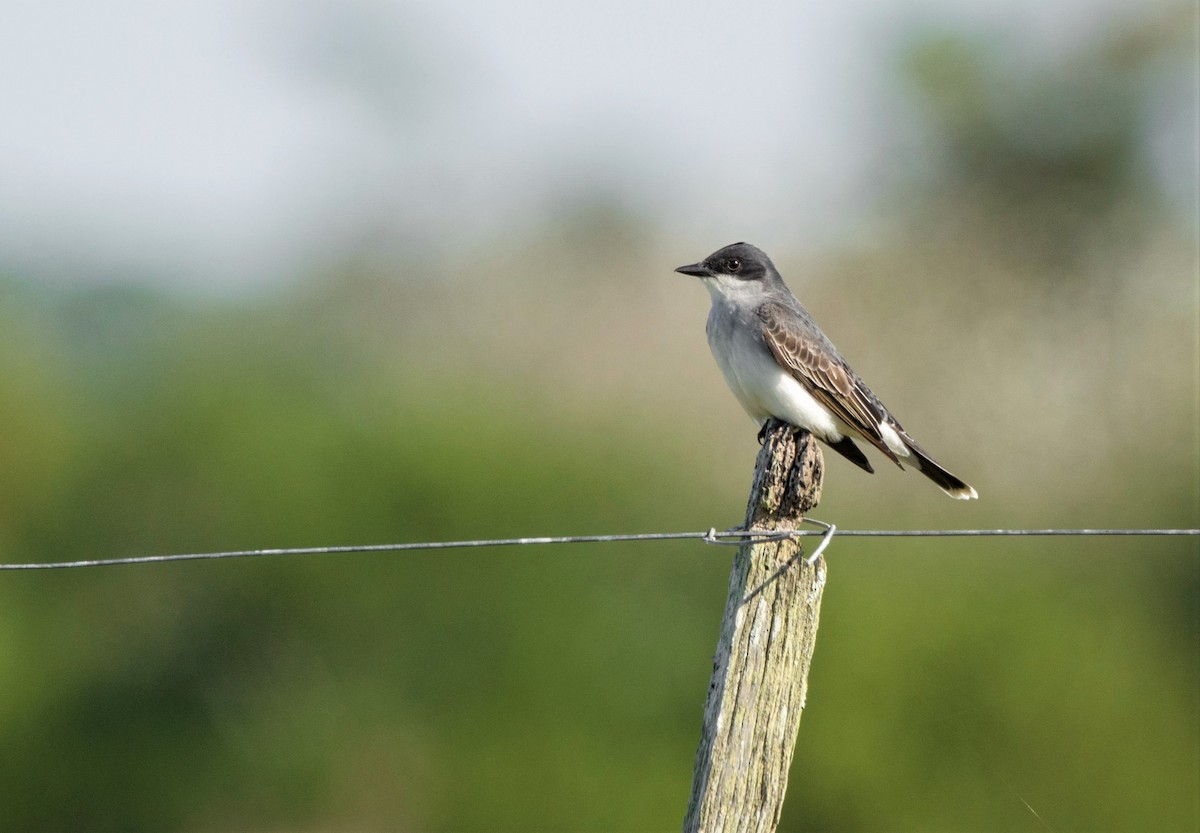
x: 779, y: 364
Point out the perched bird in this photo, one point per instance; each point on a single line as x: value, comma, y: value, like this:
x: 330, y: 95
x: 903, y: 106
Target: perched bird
x: 779, y: 364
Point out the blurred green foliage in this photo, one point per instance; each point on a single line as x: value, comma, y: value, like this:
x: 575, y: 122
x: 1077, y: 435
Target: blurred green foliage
x: 957, y: 684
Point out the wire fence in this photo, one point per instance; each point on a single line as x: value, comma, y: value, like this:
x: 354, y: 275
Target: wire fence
x: 731, y: 537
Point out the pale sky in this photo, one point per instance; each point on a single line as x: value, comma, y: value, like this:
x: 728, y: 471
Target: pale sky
x: 218, y: 142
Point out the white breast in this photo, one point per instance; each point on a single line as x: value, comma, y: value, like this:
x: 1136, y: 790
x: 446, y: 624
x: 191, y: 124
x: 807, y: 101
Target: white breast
x: 767, y: 390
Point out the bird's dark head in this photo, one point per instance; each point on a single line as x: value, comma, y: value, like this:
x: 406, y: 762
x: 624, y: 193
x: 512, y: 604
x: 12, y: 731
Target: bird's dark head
x: 737, y: 262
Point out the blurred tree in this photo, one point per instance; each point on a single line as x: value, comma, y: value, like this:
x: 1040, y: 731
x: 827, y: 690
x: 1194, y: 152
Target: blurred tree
x: 1049, y: 153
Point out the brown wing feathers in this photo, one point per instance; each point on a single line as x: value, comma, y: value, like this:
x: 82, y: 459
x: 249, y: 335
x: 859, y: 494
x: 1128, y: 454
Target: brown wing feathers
x: 828, y: 379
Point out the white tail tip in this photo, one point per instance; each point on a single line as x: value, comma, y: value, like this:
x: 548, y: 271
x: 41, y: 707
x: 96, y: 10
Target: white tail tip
x: 965, y: 493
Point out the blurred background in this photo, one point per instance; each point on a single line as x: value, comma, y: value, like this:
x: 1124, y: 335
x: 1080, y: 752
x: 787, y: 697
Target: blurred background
x: 314, y: 273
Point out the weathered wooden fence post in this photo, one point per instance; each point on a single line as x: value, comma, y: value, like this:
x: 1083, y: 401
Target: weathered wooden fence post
x: 760, y: 670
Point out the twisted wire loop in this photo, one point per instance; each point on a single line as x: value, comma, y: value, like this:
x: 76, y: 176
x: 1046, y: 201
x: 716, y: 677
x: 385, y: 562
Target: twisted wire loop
x: 743, y: 536
x: 747, y: 536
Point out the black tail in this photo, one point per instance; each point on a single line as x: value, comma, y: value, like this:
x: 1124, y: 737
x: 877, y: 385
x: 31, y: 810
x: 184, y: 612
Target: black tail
x: 947, y: 482
x: 846, y: 447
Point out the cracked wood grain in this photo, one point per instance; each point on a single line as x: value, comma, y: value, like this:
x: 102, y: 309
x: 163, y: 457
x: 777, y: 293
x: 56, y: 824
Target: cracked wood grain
x: 760, y: 669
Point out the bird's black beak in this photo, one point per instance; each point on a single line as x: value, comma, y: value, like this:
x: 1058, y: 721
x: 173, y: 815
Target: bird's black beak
x: 696, y: 270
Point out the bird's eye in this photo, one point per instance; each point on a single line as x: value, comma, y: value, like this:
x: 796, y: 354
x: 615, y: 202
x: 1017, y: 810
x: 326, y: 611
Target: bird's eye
x: 733, y: 265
